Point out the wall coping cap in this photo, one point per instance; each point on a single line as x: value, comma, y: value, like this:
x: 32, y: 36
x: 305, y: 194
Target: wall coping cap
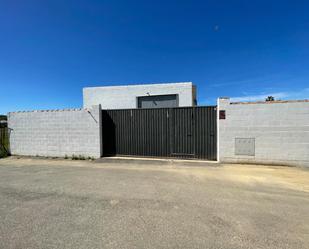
x: 54, y: 110
x: 270, y: 102
x: 142, y: 84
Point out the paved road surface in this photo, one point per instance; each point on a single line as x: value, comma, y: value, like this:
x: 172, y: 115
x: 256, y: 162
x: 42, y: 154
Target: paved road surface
x: 80, y: 204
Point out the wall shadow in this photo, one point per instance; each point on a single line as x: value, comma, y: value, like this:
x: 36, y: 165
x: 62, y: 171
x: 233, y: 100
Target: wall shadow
x: 109, y: 135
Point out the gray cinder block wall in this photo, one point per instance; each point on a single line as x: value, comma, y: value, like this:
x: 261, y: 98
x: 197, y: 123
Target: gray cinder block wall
x: 277, y: 132
x: 125, y: 97
x: 56, y: 132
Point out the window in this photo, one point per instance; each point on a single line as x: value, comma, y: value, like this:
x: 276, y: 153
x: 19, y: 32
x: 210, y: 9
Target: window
x: 157, y: 101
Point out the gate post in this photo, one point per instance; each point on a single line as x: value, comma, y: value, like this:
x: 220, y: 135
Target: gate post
x: 100, y: 129
x: 97, y: 111
x: 222, y: 103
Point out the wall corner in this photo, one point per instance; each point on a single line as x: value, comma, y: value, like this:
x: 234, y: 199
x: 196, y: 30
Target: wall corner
x: 222, y: 102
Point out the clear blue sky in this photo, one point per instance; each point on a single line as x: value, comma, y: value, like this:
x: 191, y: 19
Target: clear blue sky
x: 49, y: 50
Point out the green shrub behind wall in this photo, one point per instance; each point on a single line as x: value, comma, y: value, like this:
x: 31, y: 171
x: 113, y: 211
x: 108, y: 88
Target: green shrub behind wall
x: 4, y: 142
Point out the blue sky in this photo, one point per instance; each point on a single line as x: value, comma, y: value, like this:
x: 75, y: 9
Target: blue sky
x: 242, y: 49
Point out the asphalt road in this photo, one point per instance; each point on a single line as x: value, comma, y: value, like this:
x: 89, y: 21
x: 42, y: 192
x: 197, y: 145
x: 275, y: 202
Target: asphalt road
x: 66, y: 204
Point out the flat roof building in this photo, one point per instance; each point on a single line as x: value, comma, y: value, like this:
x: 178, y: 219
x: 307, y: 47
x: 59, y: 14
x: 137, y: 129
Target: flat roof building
x: 141, y: 96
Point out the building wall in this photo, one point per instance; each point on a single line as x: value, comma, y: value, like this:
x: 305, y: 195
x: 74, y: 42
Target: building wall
x: 280, y: 130
x: 56, y: 133
x: 125, y: 97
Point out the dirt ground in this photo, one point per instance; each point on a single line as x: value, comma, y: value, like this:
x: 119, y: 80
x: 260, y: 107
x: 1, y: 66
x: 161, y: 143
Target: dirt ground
x: 82, y: 204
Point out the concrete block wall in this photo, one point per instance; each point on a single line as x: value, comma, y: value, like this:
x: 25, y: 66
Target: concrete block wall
x: 56, y: 132
x: 280, y: 129
x: 125, y: 97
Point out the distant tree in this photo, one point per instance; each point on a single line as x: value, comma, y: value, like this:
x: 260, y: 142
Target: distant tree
x: 270, y: 98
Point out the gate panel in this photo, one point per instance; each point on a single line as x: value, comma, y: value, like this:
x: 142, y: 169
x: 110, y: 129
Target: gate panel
x: 142, y: 132
x: 183, y: 132
x: 206, y: 132
x: 186, y: 132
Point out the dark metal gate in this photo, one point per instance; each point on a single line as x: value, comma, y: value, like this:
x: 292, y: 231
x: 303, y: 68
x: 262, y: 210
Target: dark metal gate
x: 185, y: 132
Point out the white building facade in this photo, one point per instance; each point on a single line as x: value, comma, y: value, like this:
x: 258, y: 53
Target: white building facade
x: 141, y: 96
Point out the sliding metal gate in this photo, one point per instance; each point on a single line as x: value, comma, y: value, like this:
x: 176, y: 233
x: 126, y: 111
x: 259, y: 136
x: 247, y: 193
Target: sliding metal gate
x: 185, y: 132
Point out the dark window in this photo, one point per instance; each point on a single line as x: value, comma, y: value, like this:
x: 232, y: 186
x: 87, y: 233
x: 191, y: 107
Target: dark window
x: 157, y: 101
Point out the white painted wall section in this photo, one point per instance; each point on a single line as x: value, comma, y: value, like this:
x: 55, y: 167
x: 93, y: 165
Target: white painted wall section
x: 56, y: 132
x: 125, y: 97
x: 280, y: 130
